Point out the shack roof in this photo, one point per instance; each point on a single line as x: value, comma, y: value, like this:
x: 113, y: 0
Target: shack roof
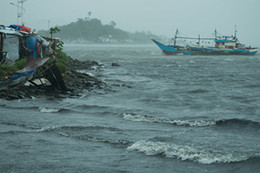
x: 10, y: 32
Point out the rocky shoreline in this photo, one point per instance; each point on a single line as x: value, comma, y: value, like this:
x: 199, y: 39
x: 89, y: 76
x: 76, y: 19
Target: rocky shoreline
x: 75, y: 81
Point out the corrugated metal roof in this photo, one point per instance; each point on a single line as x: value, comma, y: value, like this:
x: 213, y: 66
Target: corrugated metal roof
x: 10, y: 32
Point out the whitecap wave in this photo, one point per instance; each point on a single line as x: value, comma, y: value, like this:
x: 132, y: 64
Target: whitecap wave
x: 145, y: 118
x: 49, y: 110
x: 185, y: 152
x: 86, y: 72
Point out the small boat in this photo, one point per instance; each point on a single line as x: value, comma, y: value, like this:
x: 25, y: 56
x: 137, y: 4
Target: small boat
x: 27, y: 73
x: 222, y: 45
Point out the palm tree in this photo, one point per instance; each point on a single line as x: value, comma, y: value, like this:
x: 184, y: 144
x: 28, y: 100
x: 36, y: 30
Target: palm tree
x: 53, y: 30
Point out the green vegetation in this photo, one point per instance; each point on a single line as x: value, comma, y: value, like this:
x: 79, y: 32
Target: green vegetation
x: 61, y: 60
x: 6, y: 70
x: 20, y: 63
x: 61, y: 66
x: 92, y: 30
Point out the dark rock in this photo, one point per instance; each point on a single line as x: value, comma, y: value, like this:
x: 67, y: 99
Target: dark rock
x: 12, y: 97
x: 115, y: 64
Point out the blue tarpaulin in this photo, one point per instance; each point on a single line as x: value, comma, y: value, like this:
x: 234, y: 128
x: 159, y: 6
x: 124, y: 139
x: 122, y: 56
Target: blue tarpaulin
x: 31, y: 44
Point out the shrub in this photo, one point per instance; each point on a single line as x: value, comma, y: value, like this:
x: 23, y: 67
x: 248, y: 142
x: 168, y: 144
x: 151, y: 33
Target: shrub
x: 61, y: 60
x: 61, y: 66
x: 20, y: 63
x: 5, y: 70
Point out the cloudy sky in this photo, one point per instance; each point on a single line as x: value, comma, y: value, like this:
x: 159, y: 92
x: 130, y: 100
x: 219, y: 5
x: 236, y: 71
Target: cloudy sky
x: 191, y: 17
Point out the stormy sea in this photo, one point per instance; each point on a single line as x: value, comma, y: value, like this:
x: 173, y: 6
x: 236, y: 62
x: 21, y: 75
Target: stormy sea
x: 157, y: 113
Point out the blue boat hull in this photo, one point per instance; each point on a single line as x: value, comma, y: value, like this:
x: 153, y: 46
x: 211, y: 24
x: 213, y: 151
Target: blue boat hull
x: 189, y: 50
x: 26, y: 73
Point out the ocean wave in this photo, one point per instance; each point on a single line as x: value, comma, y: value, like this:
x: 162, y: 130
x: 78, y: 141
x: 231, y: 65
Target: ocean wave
x: 28, y: 126
x: 145, y: 118
x: 194, y: 123
x: 13, y: 132
x: 86, y: 72
x: 77, y: 128
x: 49, y: 110
x: 238, y: 122
x: 79, y: 132
x: 54, y: 110
x: 103, y: 140
x: 2, y: 105
x: 90, y: 107
x: 21, y: 107
x: 198, y: 91
x: 186, y: 153
x: 254, y: 159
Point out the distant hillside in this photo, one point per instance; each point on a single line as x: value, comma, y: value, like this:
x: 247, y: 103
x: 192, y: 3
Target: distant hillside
x: 93, y: 31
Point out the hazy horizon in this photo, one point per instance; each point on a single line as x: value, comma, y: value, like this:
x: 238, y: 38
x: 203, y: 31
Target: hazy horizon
x: 191, y: 17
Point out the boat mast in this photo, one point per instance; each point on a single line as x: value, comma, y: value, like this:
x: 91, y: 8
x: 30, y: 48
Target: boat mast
x: 235, y: 37
x: 199, y: 40
x: 175, y: 37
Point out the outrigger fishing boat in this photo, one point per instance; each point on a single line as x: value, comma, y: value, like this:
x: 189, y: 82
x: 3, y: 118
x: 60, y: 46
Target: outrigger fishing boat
x: 222, y: 45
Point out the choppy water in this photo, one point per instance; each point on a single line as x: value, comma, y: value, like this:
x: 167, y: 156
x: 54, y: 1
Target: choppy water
x: 159, y: 114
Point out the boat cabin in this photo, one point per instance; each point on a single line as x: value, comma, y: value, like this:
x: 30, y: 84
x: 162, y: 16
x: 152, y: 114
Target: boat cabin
x: 225, y: 43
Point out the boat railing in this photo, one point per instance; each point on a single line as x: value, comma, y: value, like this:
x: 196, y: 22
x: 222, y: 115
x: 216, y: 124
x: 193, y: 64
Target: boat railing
x: 193, y: 38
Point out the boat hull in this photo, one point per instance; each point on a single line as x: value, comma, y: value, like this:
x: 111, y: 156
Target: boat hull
x: 189, y: 50
x: 27, y: 73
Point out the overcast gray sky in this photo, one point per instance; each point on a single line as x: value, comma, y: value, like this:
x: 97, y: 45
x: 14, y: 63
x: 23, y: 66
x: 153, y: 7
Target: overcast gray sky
x: 192, y: 17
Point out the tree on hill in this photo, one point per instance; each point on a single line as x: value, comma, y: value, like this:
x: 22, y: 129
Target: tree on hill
x: 92, y: 30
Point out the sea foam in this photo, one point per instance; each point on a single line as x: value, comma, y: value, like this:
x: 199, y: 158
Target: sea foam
x: 185, y: 152
x: 49, y: 110
x: 145, y: 118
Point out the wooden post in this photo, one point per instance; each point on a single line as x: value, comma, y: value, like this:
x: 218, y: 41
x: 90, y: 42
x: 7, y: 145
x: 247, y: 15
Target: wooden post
x: 1, y: 47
